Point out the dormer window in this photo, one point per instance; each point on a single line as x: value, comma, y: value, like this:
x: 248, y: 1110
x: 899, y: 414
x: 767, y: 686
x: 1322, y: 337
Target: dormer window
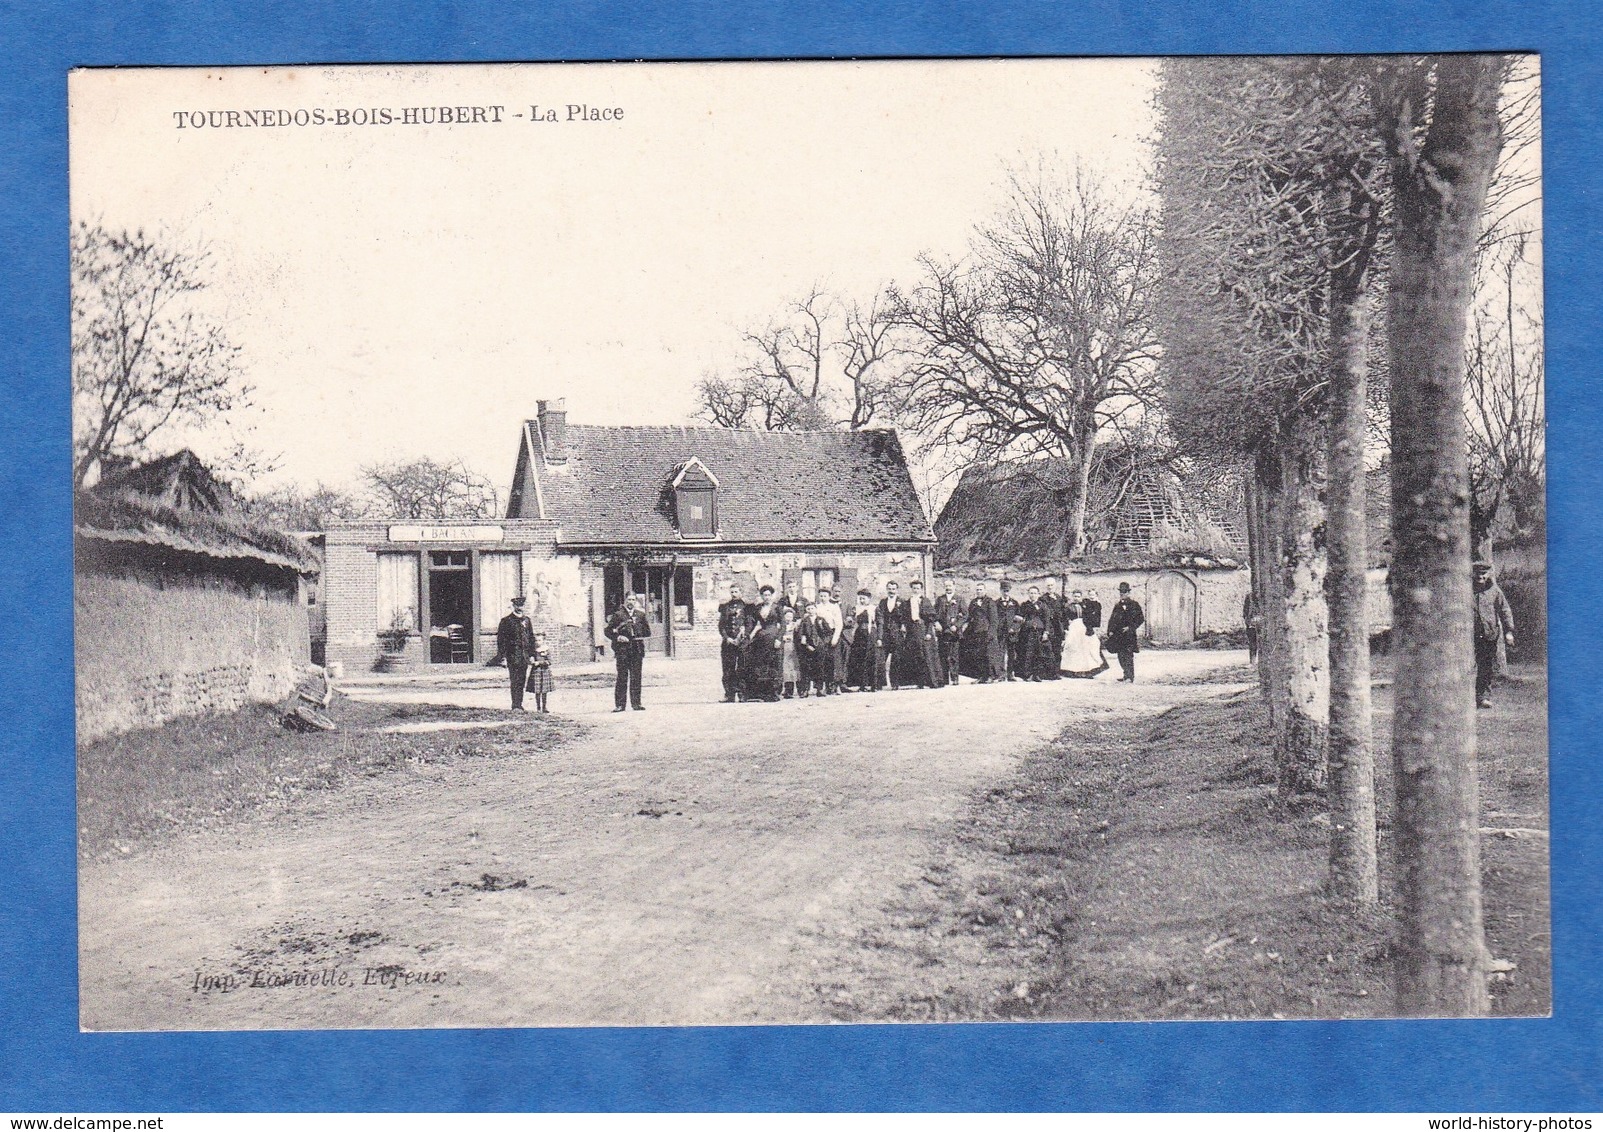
x: 695, y: 498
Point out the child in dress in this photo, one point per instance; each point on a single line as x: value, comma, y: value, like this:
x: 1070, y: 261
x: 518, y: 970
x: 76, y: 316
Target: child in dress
x: 540, y: 682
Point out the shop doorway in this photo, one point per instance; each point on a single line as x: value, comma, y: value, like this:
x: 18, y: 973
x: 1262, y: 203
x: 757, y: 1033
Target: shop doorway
x: 450, y: 607
x: 668, y: 595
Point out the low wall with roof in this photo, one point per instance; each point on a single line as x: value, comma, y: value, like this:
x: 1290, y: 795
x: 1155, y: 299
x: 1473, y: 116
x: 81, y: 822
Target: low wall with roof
x: 164, y: 637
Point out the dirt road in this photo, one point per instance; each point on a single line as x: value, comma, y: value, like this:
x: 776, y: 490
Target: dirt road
x: 688, y: 864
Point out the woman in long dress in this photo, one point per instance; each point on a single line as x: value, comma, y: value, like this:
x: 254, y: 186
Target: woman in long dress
x: 1082, y: 655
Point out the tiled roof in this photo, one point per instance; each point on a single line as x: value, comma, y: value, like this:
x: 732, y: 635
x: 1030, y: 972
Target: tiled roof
x: 615, y: 487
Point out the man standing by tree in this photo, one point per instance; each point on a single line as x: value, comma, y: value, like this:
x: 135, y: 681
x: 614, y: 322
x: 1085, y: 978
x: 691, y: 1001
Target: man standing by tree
x: 514, y: 640
x: 1494, y: 630
x: 628, y: 631
x: 1124, y: 625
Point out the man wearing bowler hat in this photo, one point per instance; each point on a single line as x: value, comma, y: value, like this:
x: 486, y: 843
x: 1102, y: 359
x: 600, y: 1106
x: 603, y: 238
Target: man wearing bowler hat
x: 1123, y: 635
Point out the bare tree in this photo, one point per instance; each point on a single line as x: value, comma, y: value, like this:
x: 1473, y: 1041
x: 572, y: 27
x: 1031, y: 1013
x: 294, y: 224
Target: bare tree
x: 295, y: 509
x: 1504, y: 380
x: 429, y: 489
x: 1438, y: 117
x: 143, y: 357
x: 1040, y: 338
x: 825, y: 363
x: 873, y: 355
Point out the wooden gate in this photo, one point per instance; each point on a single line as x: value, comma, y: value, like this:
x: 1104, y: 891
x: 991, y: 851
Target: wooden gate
x: 1172, y: 610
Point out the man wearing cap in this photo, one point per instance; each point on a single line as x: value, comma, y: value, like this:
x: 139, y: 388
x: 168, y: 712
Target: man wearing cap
x: 1494, y: 630
x: 1008, y: 623
x: 628, y: 630
x: 514, y: 640
x: 1123, y: 636
x: 734, y: 630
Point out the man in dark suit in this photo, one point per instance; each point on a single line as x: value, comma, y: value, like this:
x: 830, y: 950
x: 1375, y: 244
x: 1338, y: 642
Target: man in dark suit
x: 1032, y: 638
x: 949, y: 621
x: 1124, y: 625
x: 514, y: 640
x: 628, y: 631
x: 1007, y: 629
x: 889, y: 617
x: 734, y: 630
x: 1052, y: 609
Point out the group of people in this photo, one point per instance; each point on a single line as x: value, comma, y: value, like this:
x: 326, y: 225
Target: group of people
x: 785, y: 646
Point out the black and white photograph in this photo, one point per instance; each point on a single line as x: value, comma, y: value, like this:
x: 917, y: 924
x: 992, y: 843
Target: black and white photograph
x: 767, y: 543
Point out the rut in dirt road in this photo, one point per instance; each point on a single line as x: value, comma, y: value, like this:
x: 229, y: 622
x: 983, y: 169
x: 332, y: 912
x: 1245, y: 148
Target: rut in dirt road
x: 694, y: 863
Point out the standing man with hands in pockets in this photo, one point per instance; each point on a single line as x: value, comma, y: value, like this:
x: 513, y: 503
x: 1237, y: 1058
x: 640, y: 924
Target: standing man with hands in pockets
x: 628, y: 631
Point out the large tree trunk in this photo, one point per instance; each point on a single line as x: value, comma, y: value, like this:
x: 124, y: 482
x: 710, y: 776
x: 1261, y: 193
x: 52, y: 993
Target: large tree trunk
x: 1353, y: 871
x: 1273, y: 664
x: 1301, y: 738
x: 1257, y: 569
x: 1075, y: 536
x: 1439, y: 178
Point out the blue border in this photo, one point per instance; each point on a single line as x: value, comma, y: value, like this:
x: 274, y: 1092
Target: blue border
x: 45, y: 1063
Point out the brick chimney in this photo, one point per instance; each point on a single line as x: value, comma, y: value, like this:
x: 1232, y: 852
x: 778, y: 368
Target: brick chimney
x: 553, y: 417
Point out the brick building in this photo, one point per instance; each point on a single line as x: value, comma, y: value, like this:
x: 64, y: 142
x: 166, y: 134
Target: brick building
x: 672, y: 514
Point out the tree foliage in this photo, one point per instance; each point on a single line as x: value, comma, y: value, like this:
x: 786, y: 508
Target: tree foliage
x: 1270, y: 188
x: 144, y: 357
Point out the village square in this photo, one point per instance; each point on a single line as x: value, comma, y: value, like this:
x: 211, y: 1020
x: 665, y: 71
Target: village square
x: 1102, y: 619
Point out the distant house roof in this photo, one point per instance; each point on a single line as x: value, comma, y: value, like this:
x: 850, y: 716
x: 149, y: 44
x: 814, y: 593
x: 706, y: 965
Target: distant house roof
x: 177, y: 504
x: 613, y: 486
x: 1018, y: 513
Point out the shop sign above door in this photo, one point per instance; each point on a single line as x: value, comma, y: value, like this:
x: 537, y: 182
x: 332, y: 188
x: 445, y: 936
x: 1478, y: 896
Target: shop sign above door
x: 414, y: 533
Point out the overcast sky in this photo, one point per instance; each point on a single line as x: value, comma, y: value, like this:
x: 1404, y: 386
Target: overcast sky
x: 408, y: 290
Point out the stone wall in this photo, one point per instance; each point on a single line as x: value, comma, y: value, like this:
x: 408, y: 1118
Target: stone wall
x: 156, y: 644
x: 1219, y: 593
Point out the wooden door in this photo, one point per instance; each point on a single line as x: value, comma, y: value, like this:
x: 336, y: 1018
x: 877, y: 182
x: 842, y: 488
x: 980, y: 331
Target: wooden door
x: 1172, y: 609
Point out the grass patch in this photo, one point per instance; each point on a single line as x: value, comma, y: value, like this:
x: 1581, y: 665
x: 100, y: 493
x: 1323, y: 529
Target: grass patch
x: 206, y: 772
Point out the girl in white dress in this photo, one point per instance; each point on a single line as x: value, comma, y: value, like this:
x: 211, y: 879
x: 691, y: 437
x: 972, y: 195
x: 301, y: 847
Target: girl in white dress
x: 1082, y: 655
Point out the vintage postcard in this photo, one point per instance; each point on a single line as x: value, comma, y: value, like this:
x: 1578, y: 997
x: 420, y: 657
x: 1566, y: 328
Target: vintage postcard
x: 745, y: 543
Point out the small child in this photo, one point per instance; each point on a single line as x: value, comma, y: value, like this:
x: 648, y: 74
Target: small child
x: 540, y: 682
x: 790, y: 662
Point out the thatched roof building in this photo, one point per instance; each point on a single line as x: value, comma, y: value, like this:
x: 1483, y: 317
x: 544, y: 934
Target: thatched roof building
x: 181, y: 604
x: 176, y: 504
x: 1136, y: 518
